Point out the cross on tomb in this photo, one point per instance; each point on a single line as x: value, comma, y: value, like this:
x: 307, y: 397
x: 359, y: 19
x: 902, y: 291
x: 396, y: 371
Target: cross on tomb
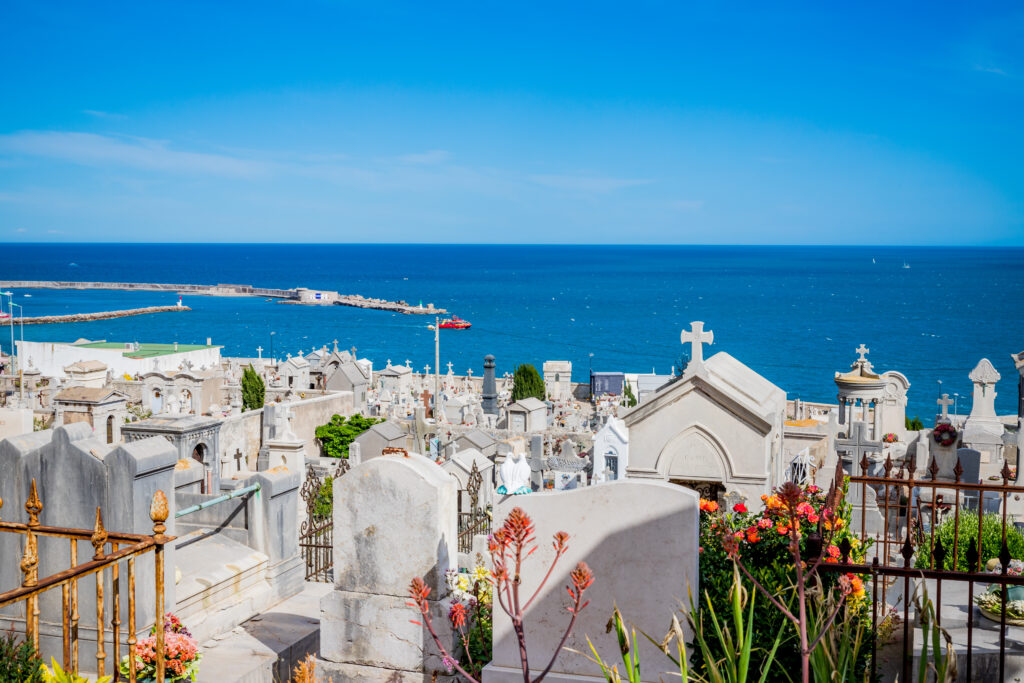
x: 945, y: 402
x: 862, y: 351
x: 353, y: 350
x: 450, y: 367
x: 697, y: 337
x: 389, y: 362
x: 425, y: 397
x: 858, y: 445
x: 426, y: 369
x: 259, y: 350
x: 469, y: 373
x: 238, y: 459
x: 335, y: 342
x: 408, y: 363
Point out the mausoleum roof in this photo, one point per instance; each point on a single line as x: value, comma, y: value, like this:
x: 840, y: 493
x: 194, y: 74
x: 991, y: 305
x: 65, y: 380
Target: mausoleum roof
x: 147, y: 350
x: 86, y: 395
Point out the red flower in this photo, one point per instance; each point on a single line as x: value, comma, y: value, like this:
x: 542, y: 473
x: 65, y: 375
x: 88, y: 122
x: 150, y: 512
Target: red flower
x: 457, y: 615
x: 739, y: 507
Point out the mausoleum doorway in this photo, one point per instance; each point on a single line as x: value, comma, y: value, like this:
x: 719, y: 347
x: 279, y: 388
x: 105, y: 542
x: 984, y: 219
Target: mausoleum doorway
x: 709, y: 490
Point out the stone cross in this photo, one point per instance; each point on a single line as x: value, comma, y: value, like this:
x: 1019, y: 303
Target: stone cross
x: 426, y: 369
x: 945, y: 402
x: 697, y: 337
x: 408, y: 363
x: 335, y: 342
x: 238, y: 459
x: 425, y: 397
x: 862, y: 351
x: 858, y: 445
x: 450, y: 367
x: 608, y: 473
x: 259, y: 350
x: 469, y: 373
x: 389, y: 362
x: 353, y: 350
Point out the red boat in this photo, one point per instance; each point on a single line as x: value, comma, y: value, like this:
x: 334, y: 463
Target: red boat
x: 455, y: 323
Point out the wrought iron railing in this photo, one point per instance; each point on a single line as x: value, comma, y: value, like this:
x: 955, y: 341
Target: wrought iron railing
x: 123, y: 548
x: 476, y: 520
x: 908, y: 537
x: 316, y: 533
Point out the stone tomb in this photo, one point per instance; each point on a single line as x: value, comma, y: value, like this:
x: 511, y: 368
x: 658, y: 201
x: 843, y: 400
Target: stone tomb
x: 75, y: 473
x: 394, y: 518
x: 192, y: 436
x: 654, y: 522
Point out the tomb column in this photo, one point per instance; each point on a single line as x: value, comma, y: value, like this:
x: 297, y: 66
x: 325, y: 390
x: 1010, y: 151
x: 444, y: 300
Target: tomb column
x: 876, y: 419
x: 842, y: 410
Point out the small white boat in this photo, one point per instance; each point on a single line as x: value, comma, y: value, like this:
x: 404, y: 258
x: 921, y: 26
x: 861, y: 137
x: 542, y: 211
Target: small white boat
x: 906, y: 266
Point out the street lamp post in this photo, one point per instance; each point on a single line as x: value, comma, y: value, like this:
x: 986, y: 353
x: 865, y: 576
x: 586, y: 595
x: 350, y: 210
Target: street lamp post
x: 956, y: 411
x: 10, y: 309
x: 436, y: 327
x: 272, y: 346
x: 21, y: 368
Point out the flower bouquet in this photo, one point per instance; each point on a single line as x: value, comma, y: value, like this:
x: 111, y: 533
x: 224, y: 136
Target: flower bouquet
x: 890, y: 438
x: 181, y: 654
x: 990, y: 603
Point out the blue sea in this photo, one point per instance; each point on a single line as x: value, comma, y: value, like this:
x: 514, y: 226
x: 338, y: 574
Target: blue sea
x: 793, y: 314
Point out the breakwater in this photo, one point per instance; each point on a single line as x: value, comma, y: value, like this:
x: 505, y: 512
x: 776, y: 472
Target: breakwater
x: 101, y: 315
x: 298, y: 295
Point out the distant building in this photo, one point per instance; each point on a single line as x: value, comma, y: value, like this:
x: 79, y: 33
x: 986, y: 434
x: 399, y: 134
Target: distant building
x: 121, y: 358
x: 604, y: 383
x: 528, y: 415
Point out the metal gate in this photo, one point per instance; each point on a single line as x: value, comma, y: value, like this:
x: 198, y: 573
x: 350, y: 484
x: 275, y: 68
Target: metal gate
x: 475, y: 520
x: 316, y: 533
x: 917, y: 515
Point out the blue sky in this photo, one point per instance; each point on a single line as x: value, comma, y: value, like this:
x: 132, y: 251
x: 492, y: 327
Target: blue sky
x: 592, y: 122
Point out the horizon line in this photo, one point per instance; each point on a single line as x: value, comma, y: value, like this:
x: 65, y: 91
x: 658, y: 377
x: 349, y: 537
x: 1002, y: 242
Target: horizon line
x: 532, y: 244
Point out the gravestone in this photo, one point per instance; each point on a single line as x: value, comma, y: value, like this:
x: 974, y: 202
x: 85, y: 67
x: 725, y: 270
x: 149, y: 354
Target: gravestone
x: 857, y: 447
x: 75, y: 472
x: 983, y: 429
x: 651, y: 521
x: 394, y: 519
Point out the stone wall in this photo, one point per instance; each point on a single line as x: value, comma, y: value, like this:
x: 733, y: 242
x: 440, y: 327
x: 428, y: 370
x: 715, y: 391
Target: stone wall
x: 241, y: 432
x: 310, y: 413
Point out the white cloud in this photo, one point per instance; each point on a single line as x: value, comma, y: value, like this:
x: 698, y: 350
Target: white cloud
x: 434, y: 156
x: 103, y: 114
x: 587, y: 183
x: 90, y: 149
x: 21, y: 230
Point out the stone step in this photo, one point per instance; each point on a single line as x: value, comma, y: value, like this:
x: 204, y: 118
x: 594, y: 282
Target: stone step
x: 266, y: 648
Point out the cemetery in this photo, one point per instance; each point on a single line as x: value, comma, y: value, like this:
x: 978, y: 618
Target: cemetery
x: 203, y: 518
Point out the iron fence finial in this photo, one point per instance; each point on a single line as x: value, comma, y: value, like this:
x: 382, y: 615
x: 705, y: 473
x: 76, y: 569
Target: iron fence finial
x: 158, y: 512
x: 99, y: 536
x: 33, y: 506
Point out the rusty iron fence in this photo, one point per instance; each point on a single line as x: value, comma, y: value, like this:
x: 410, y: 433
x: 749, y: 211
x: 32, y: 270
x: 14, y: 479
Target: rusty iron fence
x: 316, y: 533
x: 913, y: 507
x: 475, y: 520
x: 123, y: 548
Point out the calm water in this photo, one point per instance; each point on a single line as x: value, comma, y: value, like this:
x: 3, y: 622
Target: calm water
x: 793, y: 314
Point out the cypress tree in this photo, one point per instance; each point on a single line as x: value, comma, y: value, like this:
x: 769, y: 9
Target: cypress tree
x: 527, y: 382
x: 254, y: 393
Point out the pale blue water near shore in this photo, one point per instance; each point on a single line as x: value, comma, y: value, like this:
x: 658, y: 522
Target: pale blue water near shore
x: 794, y: 314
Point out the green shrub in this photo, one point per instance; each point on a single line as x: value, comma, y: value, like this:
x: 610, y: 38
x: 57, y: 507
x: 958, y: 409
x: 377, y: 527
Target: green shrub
x: 254, y: 393
x: 914, y: 425
x: 527, y: 382
x: 991, y: 541
x: 19, y: 661
x: 336, y: 436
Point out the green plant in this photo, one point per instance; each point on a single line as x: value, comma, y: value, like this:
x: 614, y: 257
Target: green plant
x: 527, y: 382
x: 55, y: 674
x: 19, y: 661
x: 324, y: 505
x: 628, y: 399
x: 336, y: 436
x: 254, y: 393
x: 914, y: 425
x: 472, y: 604
x: 736, y: 644
x: 940, y: 665
x: 991, y: 541
x: 838, y: 657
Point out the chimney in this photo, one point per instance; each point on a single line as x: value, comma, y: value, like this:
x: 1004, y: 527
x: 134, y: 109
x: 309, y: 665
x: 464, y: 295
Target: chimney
x: 490, y: 392
x: 175, y: 346
x: 209, y: 341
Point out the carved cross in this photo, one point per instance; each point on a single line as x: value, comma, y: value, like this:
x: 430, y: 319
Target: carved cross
x: 426, y: 369
x: 450, y: 367
x: 335, y: 342
x: 238, y: 459
x: 259, y: 350
x: 696, y: 337
x: 857, y: 446
x: 408, y: 363
x: 353, y: 349
x: 945, y: 402
x: 862, y: 351
x: 469, y: 373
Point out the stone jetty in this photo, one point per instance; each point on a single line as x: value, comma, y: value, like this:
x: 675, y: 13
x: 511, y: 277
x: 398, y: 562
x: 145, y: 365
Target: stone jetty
x: 102, y: 315
x: 298, y: 295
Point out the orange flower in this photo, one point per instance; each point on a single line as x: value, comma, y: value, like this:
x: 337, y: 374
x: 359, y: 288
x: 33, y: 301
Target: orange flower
x: 783, y: 530
x: 708, y: 505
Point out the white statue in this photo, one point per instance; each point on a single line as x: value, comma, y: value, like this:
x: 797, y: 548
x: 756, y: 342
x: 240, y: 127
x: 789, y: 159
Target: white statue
x: 515, y: 474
